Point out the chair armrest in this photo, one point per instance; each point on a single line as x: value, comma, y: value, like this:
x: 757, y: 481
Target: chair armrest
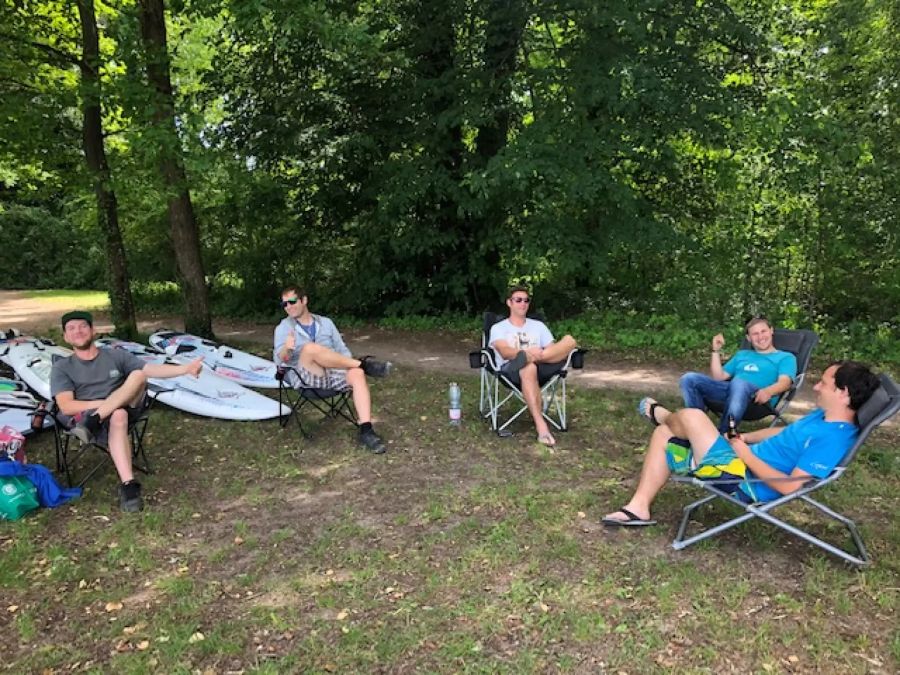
x: 576, y: 358
x: 281, y: 372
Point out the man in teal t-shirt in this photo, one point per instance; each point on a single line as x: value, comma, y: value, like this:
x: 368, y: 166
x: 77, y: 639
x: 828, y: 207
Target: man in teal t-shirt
x: 775, y: 461
x: 760, y: 374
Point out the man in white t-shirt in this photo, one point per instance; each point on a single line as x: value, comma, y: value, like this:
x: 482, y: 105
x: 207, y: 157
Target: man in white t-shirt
x: 526, y: 352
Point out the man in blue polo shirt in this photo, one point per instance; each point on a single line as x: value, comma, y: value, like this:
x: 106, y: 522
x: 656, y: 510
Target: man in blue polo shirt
x: 780, y: 460
x: 760, y: 374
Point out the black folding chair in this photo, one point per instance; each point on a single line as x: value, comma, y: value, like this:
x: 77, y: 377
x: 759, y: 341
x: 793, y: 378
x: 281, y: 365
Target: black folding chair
x: 800, y: 343
x: 294, y: 393
x: 492, y: 398
x: 882, y: 405
x: 71, y: 453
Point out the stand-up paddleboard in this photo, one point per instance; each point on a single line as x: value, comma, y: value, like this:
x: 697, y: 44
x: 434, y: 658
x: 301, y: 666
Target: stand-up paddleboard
x: 9, y: 384
x: 208, y: 395
x: 15, y: 411
x: 246, y: 369
x: 32, y: 359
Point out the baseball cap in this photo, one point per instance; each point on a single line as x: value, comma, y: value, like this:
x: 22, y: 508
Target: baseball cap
x: 77, y: 314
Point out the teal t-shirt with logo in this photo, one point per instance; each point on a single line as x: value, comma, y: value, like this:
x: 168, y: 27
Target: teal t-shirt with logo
x: 761, y: 368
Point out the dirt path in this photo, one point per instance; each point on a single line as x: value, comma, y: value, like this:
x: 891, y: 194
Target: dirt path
x: 437, y: 351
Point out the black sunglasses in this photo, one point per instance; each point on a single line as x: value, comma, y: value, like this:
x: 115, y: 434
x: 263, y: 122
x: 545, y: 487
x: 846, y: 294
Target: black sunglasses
x: 520, y: 299
x: 292, y: 301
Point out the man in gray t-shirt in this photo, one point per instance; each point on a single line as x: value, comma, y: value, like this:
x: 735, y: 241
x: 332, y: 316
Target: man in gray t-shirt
x: 96, y: 379
x: 102, y: 390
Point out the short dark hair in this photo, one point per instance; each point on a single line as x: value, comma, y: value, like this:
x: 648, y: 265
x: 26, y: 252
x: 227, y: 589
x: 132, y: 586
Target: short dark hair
x: 299, y: 291
x: 753, y: 320
x: 518, y: 288
x: 857, y: 379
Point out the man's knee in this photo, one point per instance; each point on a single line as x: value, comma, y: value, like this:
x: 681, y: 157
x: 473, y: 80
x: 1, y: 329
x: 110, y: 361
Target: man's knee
x: 690, y: 418
x: 528, y: 372
x: 356, y: 378
x: 743, y: 388
x: 689, y: 379
x: 119, y: 418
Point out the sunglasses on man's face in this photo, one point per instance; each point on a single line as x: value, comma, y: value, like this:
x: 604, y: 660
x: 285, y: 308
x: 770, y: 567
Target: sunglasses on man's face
x: 519, y: 300
x: 289, y: 301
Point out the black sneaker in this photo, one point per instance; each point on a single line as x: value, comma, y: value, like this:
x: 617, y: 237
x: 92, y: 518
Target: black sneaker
x: 372, y: 441
x: 375, y: 368
x: 88, y: 428
x: 130, y: 499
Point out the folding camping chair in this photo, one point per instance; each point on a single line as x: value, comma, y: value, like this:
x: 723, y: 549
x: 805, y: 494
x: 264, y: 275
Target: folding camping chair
x: 69, y: 456
x: 883, y: 405
x: 332, y: 403
x: 800, y: 343
x: 492, y: 398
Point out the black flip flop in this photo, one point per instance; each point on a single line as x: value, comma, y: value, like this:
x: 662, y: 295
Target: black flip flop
x: 633, y: 520
x: 650, y: 415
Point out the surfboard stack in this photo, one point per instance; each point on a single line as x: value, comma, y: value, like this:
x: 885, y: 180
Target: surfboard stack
x: 218, y: 392
x: 30, y: 359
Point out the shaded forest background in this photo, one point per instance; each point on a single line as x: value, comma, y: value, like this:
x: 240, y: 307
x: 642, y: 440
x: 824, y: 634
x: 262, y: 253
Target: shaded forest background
x: 700, y: 160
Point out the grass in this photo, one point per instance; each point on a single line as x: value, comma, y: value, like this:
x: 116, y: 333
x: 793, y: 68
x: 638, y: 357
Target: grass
x: 84, y: 299
x: 457, y: 551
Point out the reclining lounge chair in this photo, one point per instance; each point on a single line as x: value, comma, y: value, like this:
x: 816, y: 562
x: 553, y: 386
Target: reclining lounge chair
x: 883, y: 405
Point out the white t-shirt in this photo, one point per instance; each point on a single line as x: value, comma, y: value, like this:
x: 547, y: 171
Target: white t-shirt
x: 533, y: 334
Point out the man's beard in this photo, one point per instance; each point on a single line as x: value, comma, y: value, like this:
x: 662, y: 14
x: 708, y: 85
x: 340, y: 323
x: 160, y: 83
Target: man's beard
x: 85, y: 344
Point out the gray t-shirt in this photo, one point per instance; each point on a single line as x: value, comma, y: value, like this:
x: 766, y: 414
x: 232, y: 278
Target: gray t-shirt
x: 96, y: 379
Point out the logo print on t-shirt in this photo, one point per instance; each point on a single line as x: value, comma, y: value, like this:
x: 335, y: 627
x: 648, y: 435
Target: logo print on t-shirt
x: 523, y: 340
x: 114, y: 373
x: 751, y: 368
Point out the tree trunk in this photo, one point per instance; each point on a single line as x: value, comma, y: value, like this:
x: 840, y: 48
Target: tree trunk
x: 95, y: 156
x: 183, y: 225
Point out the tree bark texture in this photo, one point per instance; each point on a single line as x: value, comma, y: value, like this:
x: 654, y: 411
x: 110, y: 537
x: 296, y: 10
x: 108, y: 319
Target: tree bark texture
x: 122, y: 306
x: 184, y: 230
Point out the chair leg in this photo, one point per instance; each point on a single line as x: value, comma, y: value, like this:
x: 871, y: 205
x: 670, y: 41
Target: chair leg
x: 861, y: 558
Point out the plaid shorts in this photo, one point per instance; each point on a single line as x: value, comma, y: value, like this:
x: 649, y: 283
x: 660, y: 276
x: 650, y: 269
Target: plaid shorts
x: 333, y: 378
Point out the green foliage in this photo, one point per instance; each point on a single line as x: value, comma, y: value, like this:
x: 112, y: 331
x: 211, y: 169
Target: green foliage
x: 40, y: 250
x: 691, y: 163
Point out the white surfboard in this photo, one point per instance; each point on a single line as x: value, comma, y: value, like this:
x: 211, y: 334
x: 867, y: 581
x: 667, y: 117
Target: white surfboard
x: 208, y: 395
x: 32, y: 359
x: 244, y: 368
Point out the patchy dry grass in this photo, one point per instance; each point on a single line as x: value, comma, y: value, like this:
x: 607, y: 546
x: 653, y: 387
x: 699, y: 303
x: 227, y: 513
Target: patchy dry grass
x: 458, y: 551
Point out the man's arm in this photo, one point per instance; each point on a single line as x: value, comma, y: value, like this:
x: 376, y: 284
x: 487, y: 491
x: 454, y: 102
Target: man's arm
x: 775, y: 479
x: 285, y: 343
x: 506, y: 350
x: 754, y: 437
x: 715, y: 358
x: 781, y: 385
x: 166, y: 370
x: 68, y: 405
